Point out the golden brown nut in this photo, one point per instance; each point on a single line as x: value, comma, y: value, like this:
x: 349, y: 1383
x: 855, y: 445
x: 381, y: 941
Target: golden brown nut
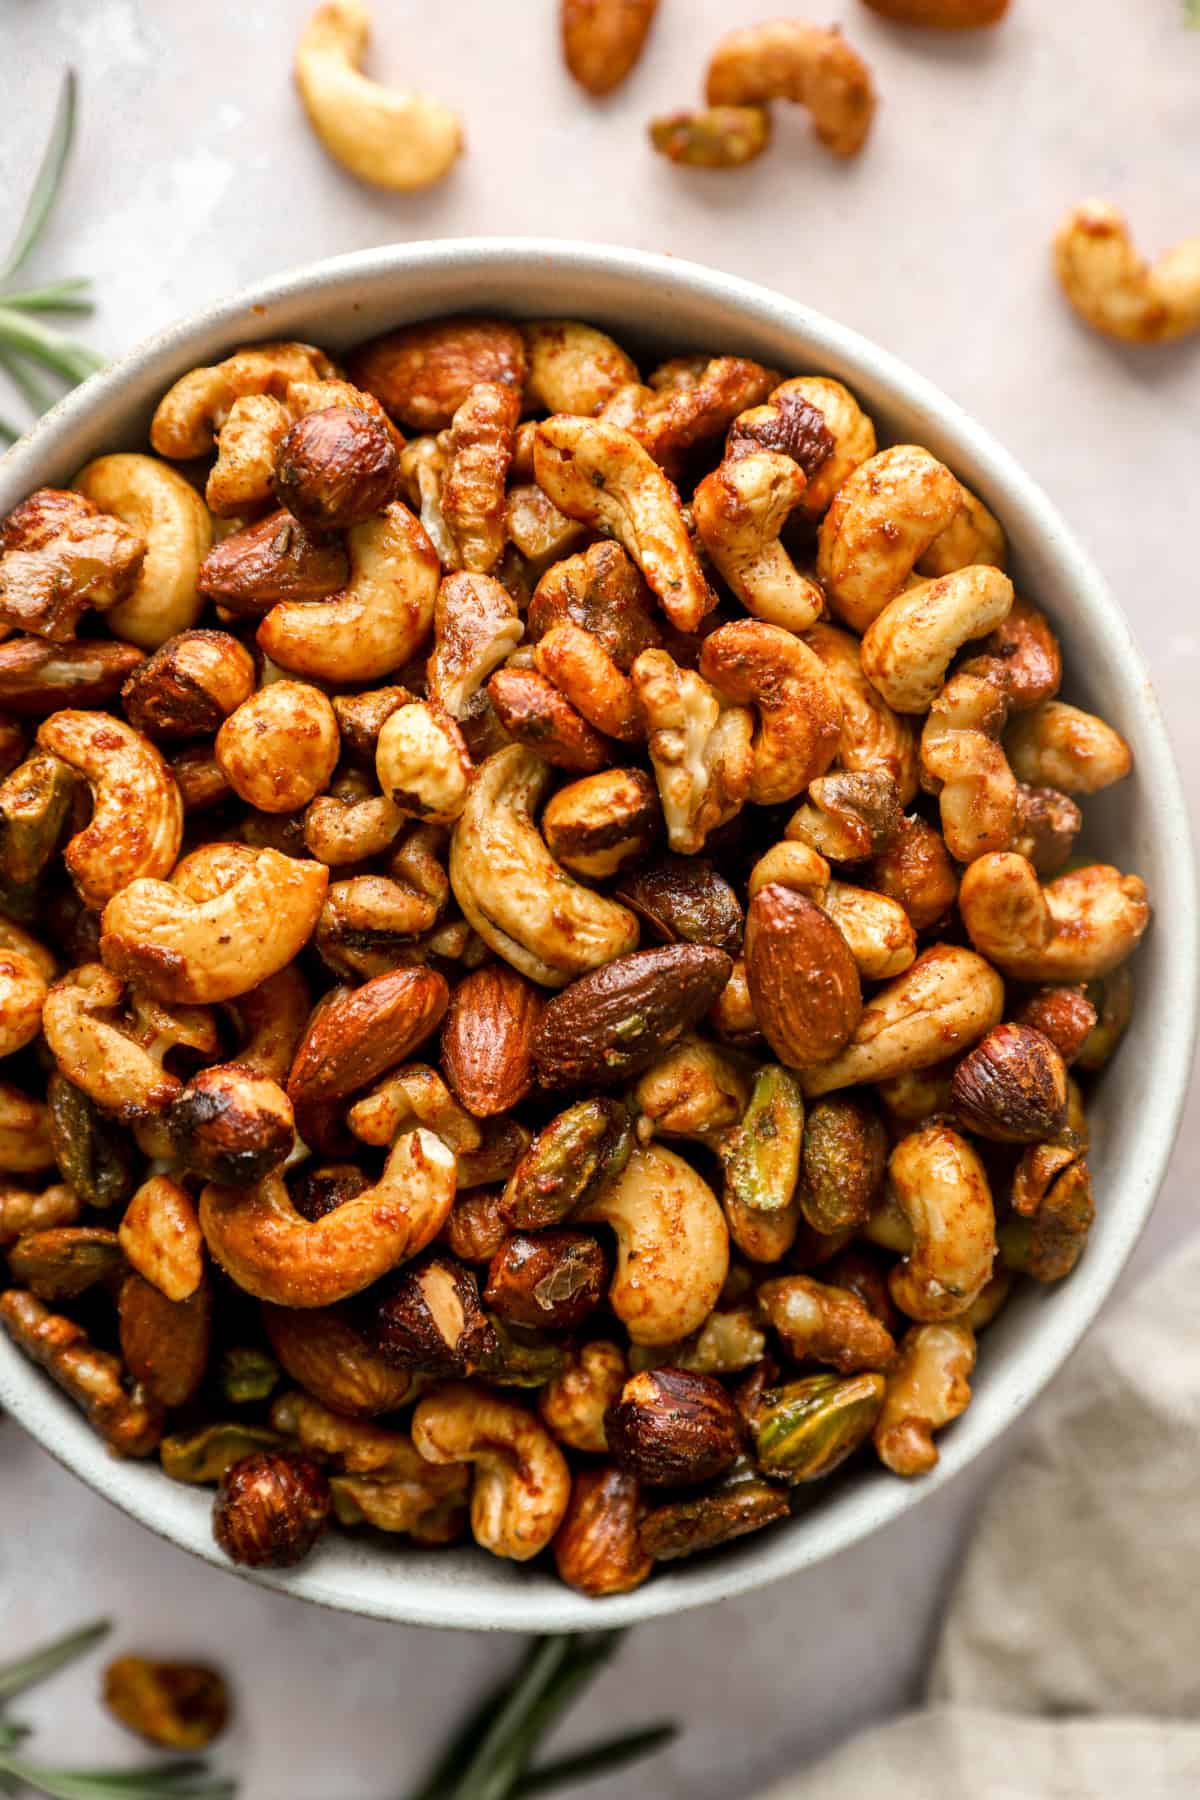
x: 945, y: 15
x: 137, y: 815
x: 817, y: 1323
x: 1114, y: 290
x: 329, y: 1357
x: 596, y: 825
x: 603, y: 593
x: 603, y: 39
x: 803, y: 983
x: 687, y: 400
x: 579, y: 665
x: 596, y: 1548
x: 1074, y: 928
x: 130, y: 1424
x: 882, y: 520
x: 574, y: 1402
x: 160, y: 1237
x: 164, y: 1343
x: 915, y: 869
x: 534, y: 712
x: 189, y: 686
x: 701, y: 749
x: 276, y: 559
x: 672, y: 1428
x: 174, y: 1705
x: 230, y: 1124
x: 280, y: 747
x: 159, y: 504
x: 926, y: 1388
x: 423, y: 373
x: 791, y: 60
x: 521, y: 1485
x: 799, y: 713
x: 712, y: 137
x: 487, y: 1039
x: 940, y: 1186
x: 60, y: 555
x: 430, y: 1318
x: 271, y: 1509
x: 478, y: 451
x: 1012, y: 1087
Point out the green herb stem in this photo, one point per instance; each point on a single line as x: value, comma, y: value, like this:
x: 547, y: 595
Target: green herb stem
x: 47, y: 181
x: 24, y: 1672
x: 52, y: 349
x: 596, y: 1759
x: 56, y: 296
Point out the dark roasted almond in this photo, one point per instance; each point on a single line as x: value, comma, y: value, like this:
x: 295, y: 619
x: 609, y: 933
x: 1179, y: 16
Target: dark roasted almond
x: 614, y: 1021
x: 487, y: 1039
x: 802, y: 978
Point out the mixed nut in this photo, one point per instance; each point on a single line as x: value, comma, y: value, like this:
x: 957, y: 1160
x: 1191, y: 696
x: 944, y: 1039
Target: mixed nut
x: 534, y: 1004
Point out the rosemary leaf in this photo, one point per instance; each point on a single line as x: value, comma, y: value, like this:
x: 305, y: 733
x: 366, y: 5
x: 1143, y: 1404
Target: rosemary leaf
x: 557, y: 1670
x: 42, y: 344
x: 70, y: 295
x: 37, y: 397
x: 596, y: 1759
x: 187, y: 1780
x: 1191, y: 11
x: 46, y: 183
x: 25, y: 1672
x: 8, y: 432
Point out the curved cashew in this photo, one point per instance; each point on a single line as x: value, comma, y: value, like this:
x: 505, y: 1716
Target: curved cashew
x: 522, y: 1483
x: 820, y: 424
x: 1110, y: 285
x: 908, y: 648
x: 800, y: 715
x: 881, y: 521
x: 573, y: 368
x: 975, y: 535
x: 1059, y: 746
x: 874, y: 739
x: 939, y: 1184
x: 189, y: 415
x: 965, y: 765
x: 389, y: 140
x: 241, y: 478
x: 102, y: 1057
x: 137, y: 815
x: 740, y: 510
x: 579, y: 665
x: 600, y: 474
x: 380, y: 617
x: 927, y: 1386
x: 22, y: 996
x: 1075, y: 928
x: 701, y: 749
x: 219, y: 947
x: 168, y: 512
x: 476, y: 625
x: 790, y: 60
x: 272, y: 1252
x: 948, y: 999
x: 672, y: 1245
x: 351, y: 823
x: 423, y: 764
x: 512, y: 891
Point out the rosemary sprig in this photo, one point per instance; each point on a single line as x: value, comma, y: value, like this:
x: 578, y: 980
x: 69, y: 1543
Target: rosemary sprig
x: 490, y: 1755
x: 186, y: 1778
x: 23, y: 338
x: 1191, y: 12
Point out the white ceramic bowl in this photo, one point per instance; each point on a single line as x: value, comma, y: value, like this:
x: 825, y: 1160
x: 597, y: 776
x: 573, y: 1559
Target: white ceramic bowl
x: 656, y: 304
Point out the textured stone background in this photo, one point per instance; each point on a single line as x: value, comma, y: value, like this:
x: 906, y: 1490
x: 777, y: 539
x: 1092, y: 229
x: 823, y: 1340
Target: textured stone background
x: 195, y: 172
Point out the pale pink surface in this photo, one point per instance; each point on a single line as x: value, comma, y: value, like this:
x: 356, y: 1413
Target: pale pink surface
x: 196, y: 173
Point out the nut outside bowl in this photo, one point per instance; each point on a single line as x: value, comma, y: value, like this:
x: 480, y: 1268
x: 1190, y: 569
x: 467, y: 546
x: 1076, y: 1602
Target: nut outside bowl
x: 656, y: 303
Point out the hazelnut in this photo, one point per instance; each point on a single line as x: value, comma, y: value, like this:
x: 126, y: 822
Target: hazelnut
x: 335, y: 468
x: 190, y: 685
x: 596, y: 1549
x: 548, y: 1278
x: 476, y: 1228
x: 1063, y: 1014
x: 231, y: 1125
x: 270, y: 1509
x: 674, y: 1429
x: 431, y: 1319
x: 1012, y: 1087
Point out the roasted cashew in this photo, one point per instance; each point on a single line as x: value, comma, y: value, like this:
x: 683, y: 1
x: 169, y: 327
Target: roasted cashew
x: 1058, y: 746
x: 478, y: 449
x: 240, y: 480
x: 740, y: 510
x: 940, y: 1186
x: 522, y: 1483
x: 380, y: 617
x: 1110, y: 285
x: 946, y: 1001
x: 600, y: 474
x: 351, y: 823
x: 573, y: 1402
x: 800, y: 714
x: 422, y: 763
x: 672, y: 1245
x: 791, y: 60
x: 927, y: 1386
x: 22, y: 996
x: 272, y: 1252
x: 573, y: 368
x: 513, y: 892
x: 881, y: 521
x: 963, y: 762
x: 694, y: 1090
x: 169, y: 514
x: 910, y: 645
x: 191, y: 413
x: 475, y: 627
x: 95, y: 1052
x: 847, y: 817
x: 975, y: 535
x: 220, y: 947
x: 384, y: 138
x: 874, y: 739
x: 413, y: 1095
x: 820, y: 424
x: 137, y: 815
x: 1074, y: 928
x: 701, y: 749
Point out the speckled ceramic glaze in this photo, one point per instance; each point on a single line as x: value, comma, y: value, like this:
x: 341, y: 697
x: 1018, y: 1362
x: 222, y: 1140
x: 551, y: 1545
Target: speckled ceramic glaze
x: 660, y: 305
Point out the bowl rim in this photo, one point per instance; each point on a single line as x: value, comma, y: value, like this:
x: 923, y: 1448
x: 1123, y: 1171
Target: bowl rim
x: 49, y: 1417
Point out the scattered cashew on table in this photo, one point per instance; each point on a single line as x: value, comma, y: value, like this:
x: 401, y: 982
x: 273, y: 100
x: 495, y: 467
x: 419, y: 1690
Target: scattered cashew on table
x: 570, y: 911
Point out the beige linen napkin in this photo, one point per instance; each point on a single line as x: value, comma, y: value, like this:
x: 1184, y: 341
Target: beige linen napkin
x: 1069, y: 1661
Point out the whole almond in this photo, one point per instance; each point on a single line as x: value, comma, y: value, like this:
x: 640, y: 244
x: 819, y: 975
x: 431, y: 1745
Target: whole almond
x: 602, y: 39
x: 802, y: 978
x: 614, y: 1021
x: 273, y: 560
x: 360, y: 1034
x: 487, y: 1039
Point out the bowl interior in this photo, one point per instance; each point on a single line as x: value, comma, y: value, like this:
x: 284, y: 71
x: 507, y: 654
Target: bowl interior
x: 657, y: 305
